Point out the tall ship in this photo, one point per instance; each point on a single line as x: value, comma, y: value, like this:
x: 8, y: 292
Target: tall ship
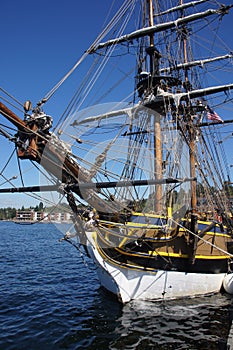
x: 138, y: 153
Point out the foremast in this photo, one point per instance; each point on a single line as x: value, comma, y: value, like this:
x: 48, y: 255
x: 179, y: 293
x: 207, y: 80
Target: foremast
x: 154, y: 74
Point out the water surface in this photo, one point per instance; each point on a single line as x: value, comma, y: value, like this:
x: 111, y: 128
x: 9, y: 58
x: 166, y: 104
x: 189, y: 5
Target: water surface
x: 51, y: 299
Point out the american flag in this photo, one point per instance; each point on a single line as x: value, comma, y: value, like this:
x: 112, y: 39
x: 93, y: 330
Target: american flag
x: 212, y: 115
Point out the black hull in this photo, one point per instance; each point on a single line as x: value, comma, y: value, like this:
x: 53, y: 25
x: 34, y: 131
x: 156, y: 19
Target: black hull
x: 205, y: 264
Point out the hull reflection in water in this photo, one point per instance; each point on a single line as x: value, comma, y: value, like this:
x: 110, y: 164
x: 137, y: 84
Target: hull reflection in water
x: 188, y: 324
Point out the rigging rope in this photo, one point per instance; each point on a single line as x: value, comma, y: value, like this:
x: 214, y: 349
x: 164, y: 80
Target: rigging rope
x: 96, y: 72
x: 11, y: 96
x: 202, y: 239
x: 19, y: 167
x: 121, y: 12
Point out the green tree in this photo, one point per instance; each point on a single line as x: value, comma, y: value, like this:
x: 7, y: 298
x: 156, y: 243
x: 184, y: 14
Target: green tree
x: 41, y: 206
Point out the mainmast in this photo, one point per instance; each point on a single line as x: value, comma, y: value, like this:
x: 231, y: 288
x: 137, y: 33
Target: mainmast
x: 191, y: 130
x: 154, y: 71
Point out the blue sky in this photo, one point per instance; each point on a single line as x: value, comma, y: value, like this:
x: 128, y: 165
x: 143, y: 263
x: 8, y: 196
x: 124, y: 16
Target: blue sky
x: 40, y: 42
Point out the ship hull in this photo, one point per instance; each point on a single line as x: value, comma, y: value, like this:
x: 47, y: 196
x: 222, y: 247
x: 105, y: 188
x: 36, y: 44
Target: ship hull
x: 131, y: 282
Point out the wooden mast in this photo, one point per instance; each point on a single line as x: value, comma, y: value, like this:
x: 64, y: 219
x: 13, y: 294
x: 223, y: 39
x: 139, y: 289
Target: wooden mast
x: 191, y: 130
x: 157, y: 128
x: 192, y: 148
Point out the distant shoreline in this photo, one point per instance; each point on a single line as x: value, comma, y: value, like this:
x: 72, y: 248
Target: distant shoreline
x: 36, y: 221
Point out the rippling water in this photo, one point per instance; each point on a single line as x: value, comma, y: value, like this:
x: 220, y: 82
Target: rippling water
x: 51, y: 300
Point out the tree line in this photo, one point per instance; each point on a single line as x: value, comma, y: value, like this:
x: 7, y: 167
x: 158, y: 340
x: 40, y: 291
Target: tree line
x: 9, y: 213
